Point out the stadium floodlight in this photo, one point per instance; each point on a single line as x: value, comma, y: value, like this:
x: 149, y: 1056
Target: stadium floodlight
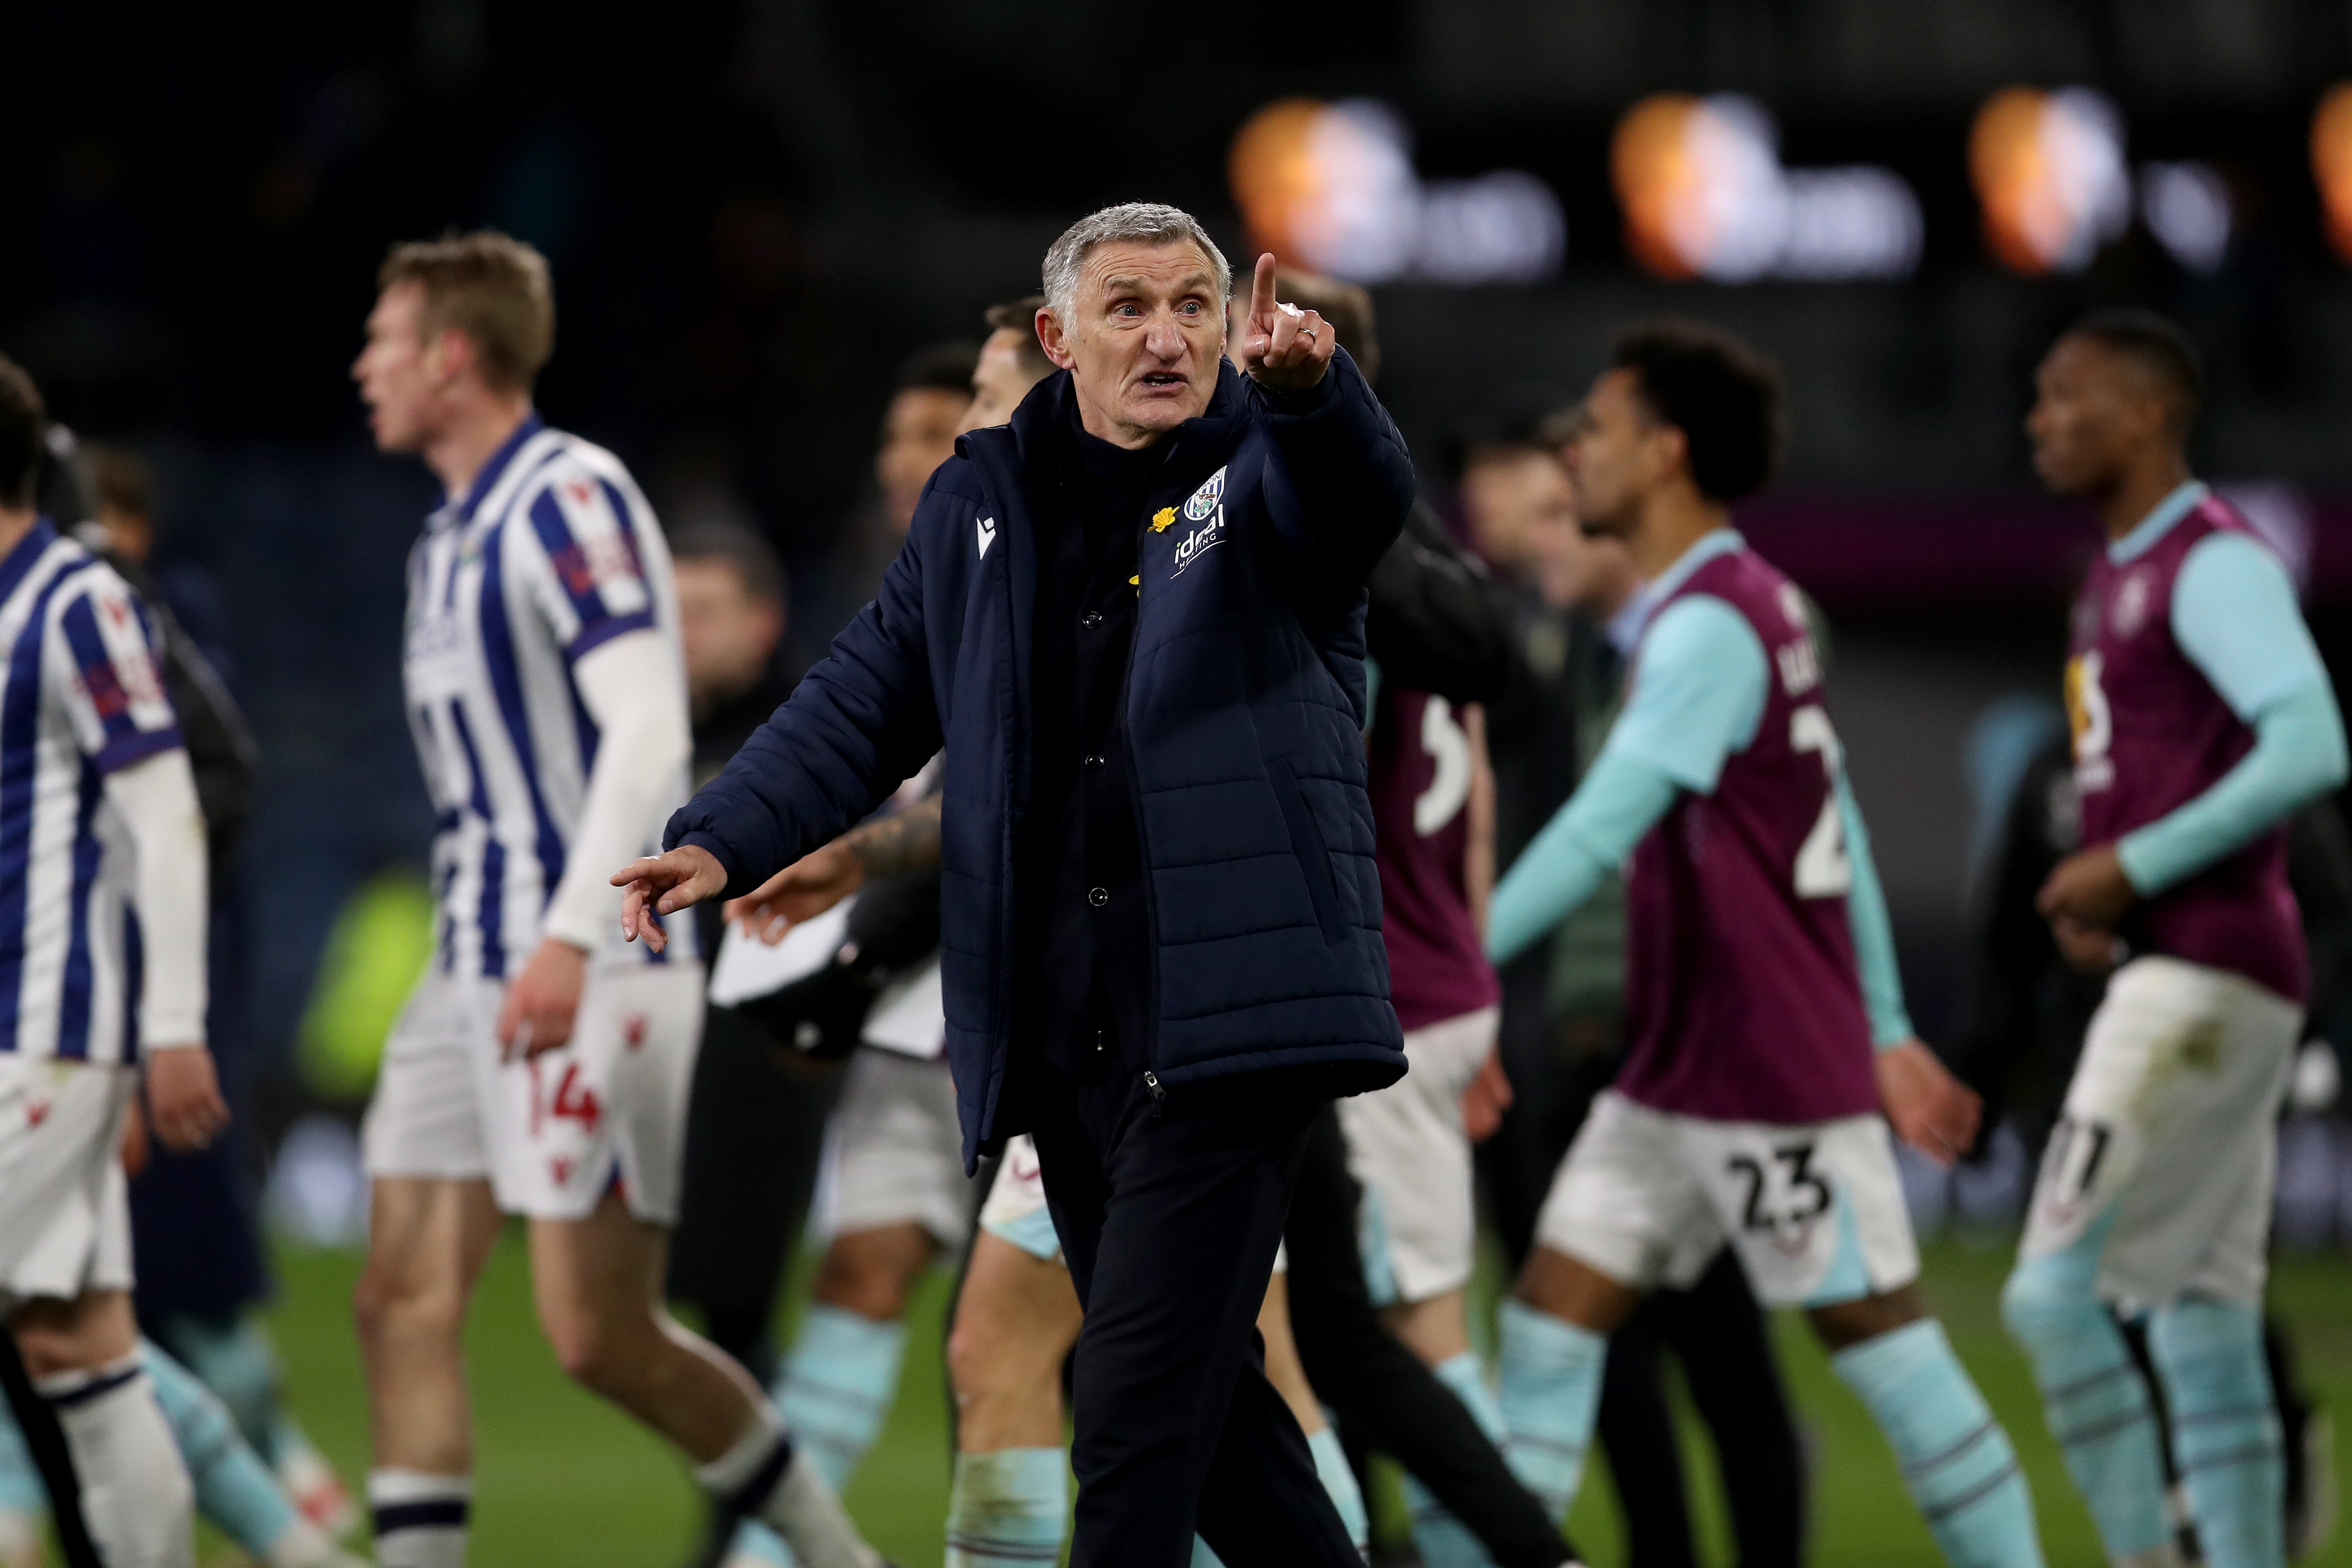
x: 1704, y: 196
x: 2050, y: 175
x: 2187, y: 207
x: 1332, y: 186
x: 2331, y: 164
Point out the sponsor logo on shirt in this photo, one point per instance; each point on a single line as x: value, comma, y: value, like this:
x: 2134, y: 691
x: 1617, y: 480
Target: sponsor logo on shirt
x: 1200, y: 540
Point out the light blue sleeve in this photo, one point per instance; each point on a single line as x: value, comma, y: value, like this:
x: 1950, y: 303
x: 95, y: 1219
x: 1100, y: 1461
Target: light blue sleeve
x: 1698, y: 693
x: 1619, y: 799
x: 1873, y: 933
x: 1697, y: 696
x: 2234, y: 615
x: 2298, y: 754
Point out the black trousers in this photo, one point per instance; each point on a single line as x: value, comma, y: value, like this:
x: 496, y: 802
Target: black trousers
x: 1169, y: 1213
x: 1379, y: 1392
x: 754, y: 1129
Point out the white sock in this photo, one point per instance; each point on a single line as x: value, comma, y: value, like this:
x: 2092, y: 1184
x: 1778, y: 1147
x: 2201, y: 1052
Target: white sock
x: 135, y: 1492
x: 762, y: 1477
x: 420, y: 1519
x: 302, y: 1544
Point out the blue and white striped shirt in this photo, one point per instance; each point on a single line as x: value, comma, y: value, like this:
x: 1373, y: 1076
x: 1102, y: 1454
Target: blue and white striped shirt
x: 553, y: 552
x: 83, y: 696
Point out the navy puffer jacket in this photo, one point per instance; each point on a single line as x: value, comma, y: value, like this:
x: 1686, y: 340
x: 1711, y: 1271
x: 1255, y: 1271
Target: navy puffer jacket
x: 1244, y: 712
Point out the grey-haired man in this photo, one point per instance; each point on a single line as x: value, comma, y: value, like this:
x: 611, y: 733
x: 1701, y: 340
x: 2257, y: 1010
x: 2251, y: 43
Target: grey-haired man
x: 1134, y: 618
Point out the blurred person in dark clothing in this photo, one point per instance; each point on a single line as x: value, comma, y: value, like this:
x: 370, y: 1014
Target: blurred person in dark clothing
x: 757, y: 1113
x: 1011, y: 361
x: 933, y: 388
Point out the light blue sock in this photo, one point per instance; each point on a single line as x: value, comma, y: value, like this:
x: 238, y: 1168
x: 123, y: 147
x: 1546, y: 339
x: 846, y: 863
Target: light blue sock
x: 837, y: 1386
x: 1009, y: 1508
x: 2096, y: 1399
x: 1443, y: 1540
x: 2225, y: 1429
x: 235, y: 1490
x: 20, y: 1484
x: 835, y: 1391
x: 1340, y: 1479
x: 232, y: 1356
x: 1957, y: 1461
x: 1551, y: 1393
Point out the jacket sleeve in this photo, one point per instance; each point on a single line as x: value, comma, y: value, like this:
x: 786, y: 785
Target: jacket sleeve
x: 1341, y: 480
x: 857, y: 726
x: 1438, y: 622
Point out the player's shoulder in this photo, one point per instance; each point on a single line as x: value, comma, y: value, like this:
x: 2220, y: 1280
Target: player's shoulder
x: 79, y: 574
x: 561, y: 466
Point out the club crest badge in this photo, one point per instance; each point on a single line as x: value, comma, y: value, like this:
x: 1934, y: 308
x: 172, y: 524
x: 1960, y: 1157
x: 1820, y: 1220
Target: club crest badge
x: 1204, y: 499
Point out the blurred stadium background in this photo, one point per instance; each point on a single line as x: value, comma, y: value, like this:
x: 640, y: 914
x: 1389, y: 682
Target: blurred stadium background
x: 756, y: 210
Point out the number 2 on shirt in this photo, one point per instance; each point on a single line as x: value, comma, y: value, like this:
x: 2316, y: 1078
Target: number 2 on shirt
x: 1823, y: 869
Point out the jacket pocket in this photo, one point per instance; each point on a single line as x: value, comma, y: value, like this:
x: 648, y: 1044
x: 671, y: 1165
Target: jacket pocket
x: 1309, y: 850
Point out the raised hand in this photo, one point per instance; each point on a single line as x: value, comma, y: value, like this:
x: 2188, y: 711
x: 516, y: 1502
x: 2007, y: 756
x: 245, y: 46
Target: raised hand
x: 1283, y: 348
x: 664, y: 885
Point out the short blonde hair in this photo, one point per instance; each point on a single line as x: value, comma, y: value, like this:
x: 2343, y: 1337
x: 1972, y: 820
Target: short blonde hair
x: 490, y: 287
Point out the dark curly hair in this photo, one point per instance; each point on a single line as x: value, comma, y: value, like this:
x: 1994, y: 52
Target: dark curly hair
x: 1723, y: 396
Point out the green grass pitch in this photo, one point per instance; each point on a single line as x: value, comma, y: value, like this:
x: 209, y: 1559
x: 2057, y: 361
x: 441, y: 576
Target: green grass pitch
x: 563, y: 1481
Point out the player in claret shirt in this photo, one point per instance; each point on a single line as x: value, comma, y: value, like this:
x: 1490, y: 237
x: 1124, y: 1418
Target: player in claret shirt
x: 1763, y: 1012
x: 2203, y: 719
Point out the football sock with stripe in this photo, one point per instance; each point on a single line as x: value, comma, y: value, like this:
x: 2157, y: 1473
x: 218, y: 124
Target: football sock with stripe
x: 1443, y: 1540
x: 2225, y: 1429
x: 837, y: 1386
x: 1551, y: 1393
x: 420, y: 1519
x: 134, y: 1489
x: 2096, y: 1399
x: 764, y: 1477
x: 1008, y: 1509
x: 1957, y: 1461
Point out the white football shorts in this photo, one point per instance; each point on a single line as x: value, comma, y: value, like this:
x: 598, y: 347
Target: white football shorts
x: 895, y: 1150
x: 1407, y: 1147
x: 65, y: 1223
x: 551, y: 1132
x: 1815, y: 1212
x: 1015, y: 1210
x: 2168, y: 1151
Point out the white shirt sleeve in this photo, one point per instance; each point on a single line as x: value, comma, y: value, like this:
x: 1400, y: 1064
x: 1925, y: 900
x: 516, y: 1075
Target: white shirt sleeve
x: 632, y: 686
x: 156, y: 799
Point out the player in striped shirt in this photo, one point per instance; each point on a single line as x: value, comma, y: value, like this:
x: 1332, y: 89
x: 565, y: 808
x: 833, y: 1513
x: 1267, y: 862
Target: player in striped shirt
x: 103, y: 921
x: 541, y: 1066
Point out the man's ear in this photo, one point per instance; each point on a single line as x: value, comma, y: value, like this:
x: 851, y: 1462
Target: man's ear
x: 1049, y: 338
x: 449, y: 354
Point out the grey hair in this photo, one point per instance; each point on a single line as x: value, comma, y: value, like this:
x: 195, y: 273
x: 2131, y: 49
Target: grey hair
x: 1150, y: 222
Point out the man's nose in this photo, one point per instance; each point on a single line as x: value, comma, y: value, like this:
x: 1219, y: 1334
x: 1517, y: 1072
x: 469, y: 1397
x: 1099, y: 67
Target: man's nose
x: 1164, y: 338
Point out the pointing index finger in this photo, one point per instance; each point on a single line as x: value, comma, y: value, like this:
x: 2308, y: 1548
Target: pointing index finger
x: 1262, y: 288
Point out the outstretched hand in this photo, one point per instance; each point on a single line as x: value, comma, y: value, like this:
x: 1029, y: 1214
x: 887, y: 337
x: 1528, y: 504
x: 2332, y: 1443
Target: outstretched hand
x: 664, y: 885
x: 1928, y: 1108
x: 1283, y: 348
x: 801, y: 891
